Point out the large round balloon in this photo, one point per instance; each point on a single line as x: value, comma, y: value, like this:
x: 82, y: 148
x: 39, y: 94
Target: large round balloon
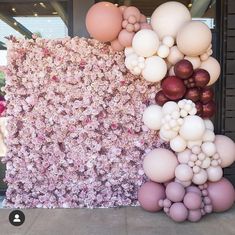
x: 159, y: 165
x: 226, y: 149
x: 213, y: 68
x: 149, y: 195
x: 168, y: 18
x: 152, y: 117
x: 187, y: 38
x: 221, y: 194
x: 104, y: 21
x: 145, y: 42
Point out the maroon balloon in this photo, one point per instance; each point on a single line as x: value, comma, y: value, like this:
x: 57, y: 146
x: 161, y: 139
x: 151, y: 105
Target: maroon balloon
x: 207, y: 95
x: 183, y: 69
x: 192, y: 94
x: 189, y: 83
x: 199, y: 108
x: 160, y: 98
x: 201, y: 77
x: 208, y: 110
x: 173, y: 88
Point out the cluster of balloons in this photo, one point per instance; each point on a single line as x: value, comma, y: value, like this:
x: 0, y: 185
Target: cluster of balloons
x: 185, y: 82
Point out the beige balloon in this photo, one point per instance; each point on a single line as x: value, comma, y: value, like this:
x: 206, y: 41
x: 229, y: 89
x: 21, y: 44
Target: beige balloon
x: 168, y: 18
x: 213, y: 68
x: 194, y: 38
x: 195, y: 60
x: 175, y: 55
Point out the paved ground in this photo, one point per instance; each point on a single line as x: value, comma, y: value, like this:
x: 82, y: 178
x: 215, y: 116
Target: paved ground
x: 118, y: 221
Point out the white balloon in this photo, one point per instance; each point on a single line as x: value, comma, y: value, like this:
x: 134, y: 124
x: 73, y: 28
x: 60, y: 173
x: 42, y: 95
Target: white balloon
x: 167, y: 134
x: 184, y: 157
x: 209, y: 136
x: 163, y: 51
x: 191, y: 144
x: 208, y: 148
x: 175, y: 55
x: 178, y: 144
x: 209, y: 124
x: 168, y: 18
x: 215, y: 173
x: 168, y: 41
x: 155, y: 69
x: 145, y: 42
x: 152, y: 117
x: 183, y: 172
x: 129, y: 60
x: 200, y: 177
x: 170, y: 107
x: 193, y: 128
x: 128, y: 51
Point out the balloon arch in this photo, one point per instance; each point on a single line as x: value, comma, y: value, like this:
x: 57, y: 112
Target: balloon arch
x: 187, y: 180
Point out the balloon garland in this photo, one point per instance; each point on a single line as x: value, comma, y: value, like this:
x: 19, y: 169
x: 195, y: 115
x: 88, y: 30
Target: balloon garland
x: 187, y: 181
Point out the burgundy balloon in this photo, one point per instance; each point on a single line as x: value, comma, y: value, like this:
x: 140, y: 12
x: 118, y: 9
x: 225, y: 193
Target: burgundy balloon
x: 221, y: 194
x: 192, y: 94
x: 201, y: 77
x: 192, y: 201
x: 160, y: 98
x: 178, y: 212
x: 207, y: 95
x: 183, y: 69
x: 199, y: 108
x: 189, y: 83
x: 149, y: 195
x: 173, y: 88
x: 208, y: 110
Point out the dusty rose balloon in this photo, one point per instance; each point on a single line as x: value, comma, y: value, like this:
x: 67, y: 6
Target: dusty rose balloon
x: 221, y: 194
x: 130, y: 28
x: 145, y: 26
x: 194, y: 215
x: 125, y: 38
x: 175, y: 192
x: 178, y: 212
x: 132, y: 11
x: 159, y: 165
x: 160, y: 98
x: 183, y: 69
x: 149, y: 195
x: 226, y: 149
x: 104, y: 21
x: 192, y: 201
x: 193, y: 189
x: 143, y: 18
x: 117, y: 46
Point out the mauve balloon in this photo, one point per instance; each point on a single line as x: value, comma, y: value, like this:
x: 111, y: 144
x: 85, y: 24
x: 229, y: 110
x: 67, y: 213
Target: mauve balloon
x: 201, y: 77
x: 149, y: 195
x: 192, y: 94
x: 178, y: 212
x: 175, y: 192
x: 194, y: 189
x: 173, y: 87
x: 208, y: 110
x: 192, y: 201
x: 183, y: 69
x: 207, y: 95
x: 160, y: 98
x: 221, y: 194
x: 194, y: 215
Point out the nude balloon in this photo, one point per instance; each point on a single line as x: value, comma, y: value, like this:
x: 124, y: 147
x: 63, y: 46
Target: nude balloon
x: 175, y: 55
x: 168, y: 18
x: 117, y: 46
x: 104, y: 21
x: 152, y: 117
x: 195, y: 60
x: 187, y: 38
x: 125, y: 38
x: 159, y: 165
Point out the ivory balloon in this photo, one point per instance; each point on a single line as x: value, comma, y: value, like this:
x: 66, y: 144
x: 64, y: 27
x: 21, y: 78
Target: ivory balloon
x: 155, y: 69
x: 167, y: 134
x: 170, y: 107
x: 163, y: 51
x: 184, y: 157
x: 168, y: 18
x: 145, y: 42
x: 200, y: 178
x: 168, y: 41
x: 212, y: 66
x: 195, y: 60
x: 215, y: 173
x: 193, y: 128
x: 159, y: 165
x: 187, y: 38
x: 226, y: 149
x: 178, y: 144
x: 209, y: 148
x: 183, y: 172
x: 175, y: 55
x: 152, y: 117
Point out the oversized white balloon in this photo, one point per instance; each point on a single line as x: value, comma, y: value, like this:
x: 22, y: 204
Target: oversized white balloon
x: 163, y: 51
x: 175, y: 55
x: 155, y: 69
x: 178, y: 144
x: 145, y: 42
x: 212, y: 66
x: 187, y: 38
x: 215, y: 173
x: 183, y: 172
x: 159, y: 165
x: 193, y: 128
x: 152, y: 117
x: 195, y: 60
x: 168, y: 18
x: 200, y: 177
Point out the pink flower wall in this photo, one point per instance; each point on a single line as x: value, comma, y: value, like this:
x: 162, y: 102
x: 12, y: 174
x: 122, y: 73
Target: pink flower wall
x: 76, y: 137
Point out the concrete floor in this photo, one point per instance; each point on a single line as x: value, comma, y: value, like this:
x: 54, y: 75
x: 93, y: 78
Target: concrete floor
x: 114, y: 221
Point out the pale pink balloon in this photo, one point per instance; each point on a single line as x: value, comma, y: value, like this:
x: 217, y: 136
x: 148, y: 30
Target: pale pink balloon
x: 137, y: 27
x: 194, y: 189
x: 104, y: 21
x: 221, y: 194
x: 117, y: 46
x: 145, y: 26
x: 132, y: 20
x: 143, y: 18
x: 125, y: 38
x: 122, y: 8
x: 132, y: 11
x: 124, y: 23
x: 130, y: 28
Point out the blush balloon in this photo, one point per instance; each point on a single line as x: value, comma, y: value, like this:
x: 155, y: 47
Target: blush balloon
x: 183, y: 69
x: 201, y: 77
x: 125, y: 38
x: 160, y: 98
x: 208, y: 110
x: 192, y: 94
x: 207, y: 95
x: 173, y: 87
